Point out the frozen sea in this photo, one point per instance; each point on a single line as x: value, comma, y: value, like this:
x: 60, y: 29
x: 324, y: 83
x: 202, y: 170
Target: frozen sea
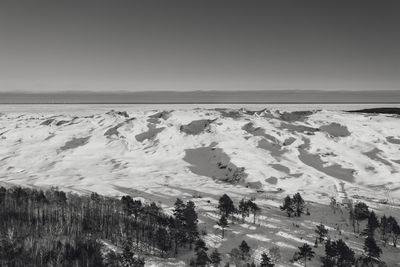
x: 82, y: 109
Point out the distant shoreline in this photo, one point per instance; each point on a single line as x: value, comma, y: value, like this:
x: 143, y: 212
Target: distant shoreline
x: 197, y: 103
x: 205, y: 97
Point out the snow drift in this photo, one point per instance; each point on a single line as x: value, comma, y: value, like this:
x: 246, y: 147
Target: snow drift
x: 164, y: 153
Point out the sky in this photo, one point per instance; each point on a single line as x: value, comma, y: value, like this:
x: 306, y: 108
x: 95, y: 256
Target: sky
x: 106, y: 46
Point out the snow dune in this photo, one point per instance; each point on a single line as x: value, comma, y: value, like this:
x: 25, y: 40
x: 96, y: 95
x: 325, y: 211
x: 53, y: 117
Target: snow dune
x: 212, y: 151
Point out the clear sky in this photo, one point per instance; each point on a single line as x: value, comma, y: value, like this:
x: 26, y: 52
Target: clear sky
x: 131, y: 45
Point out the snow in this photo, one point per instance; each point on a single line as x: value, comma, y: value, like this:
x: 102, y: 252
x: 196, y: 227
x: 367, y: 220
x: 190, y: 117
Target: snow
x: 213, y: 241
x: 294, y: 238
x: 259, y: 237
x: 268, y: 225
x: 71, y: 151
x: 285, y: 245
x: 157, y: 262
x: 247, y: 226
x: 257, y: 254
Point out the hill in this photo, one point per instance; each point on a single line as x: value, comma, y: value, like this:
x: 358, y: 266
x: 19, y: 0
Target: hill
x: 200, y: 154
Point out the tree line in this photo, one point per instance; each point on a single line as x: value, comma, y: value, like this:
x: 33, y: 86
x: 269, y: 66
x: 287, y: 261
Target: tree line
x: 337, y: 253
x: 228, y: 209
x: 53, y: 228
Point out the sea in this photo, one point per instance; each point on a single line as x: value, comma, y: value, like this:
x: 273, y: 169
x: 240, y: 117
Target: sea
x: 82, y: 109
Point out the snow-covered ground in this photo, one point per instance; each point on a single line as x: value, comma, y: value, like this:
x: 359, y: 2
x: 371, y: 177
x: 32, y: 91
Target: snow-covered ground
x: 162, y: 154
x: 201, y: 153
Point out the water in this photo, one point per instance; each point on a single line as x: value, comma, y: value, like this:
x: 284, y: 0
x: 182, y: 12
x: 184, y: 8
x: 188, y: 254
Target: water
x: 82, y: 109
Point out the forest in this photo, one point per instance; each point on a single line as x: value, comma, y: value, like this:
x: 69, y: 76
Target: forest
x: 53, y: 228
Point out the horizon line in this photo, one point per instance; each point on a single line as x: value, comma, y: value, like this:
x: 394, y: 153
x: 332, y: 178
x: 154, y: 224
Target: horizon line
x: 198, y: 91
x: 191, y: 103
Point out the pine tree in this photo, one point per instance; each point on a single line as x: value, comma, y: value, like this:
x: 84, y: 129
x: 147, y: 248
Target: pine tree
x: 394, y: 229
x: 287, y: 206
x: 361, y: 213
x: 163, y: 239
x: 215, y: 258
x: 384, y: 229
x: 254, y: 209
x: 190, y: 222
x: 223, y: 223
x: 244, y: 209
x: 333, y: 205
x: 345, y: 255
x: 322, y: 232
x: 202, y: 258
x: 337, y: 253
x: 244, y: 249
x: 179, y: 208
x: 372, y: 224
x: 352, y: 218
x: 225, y: 205
x: 371, y: 248
x: 127, y: 205
x: 298, y: 204
x: 330, y: 252
x: 3, y: 192
x: 200, y: 244
x: 178, y: 232
x: 306, y: 253
x: 137, y: 209
x: 266, y: 261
